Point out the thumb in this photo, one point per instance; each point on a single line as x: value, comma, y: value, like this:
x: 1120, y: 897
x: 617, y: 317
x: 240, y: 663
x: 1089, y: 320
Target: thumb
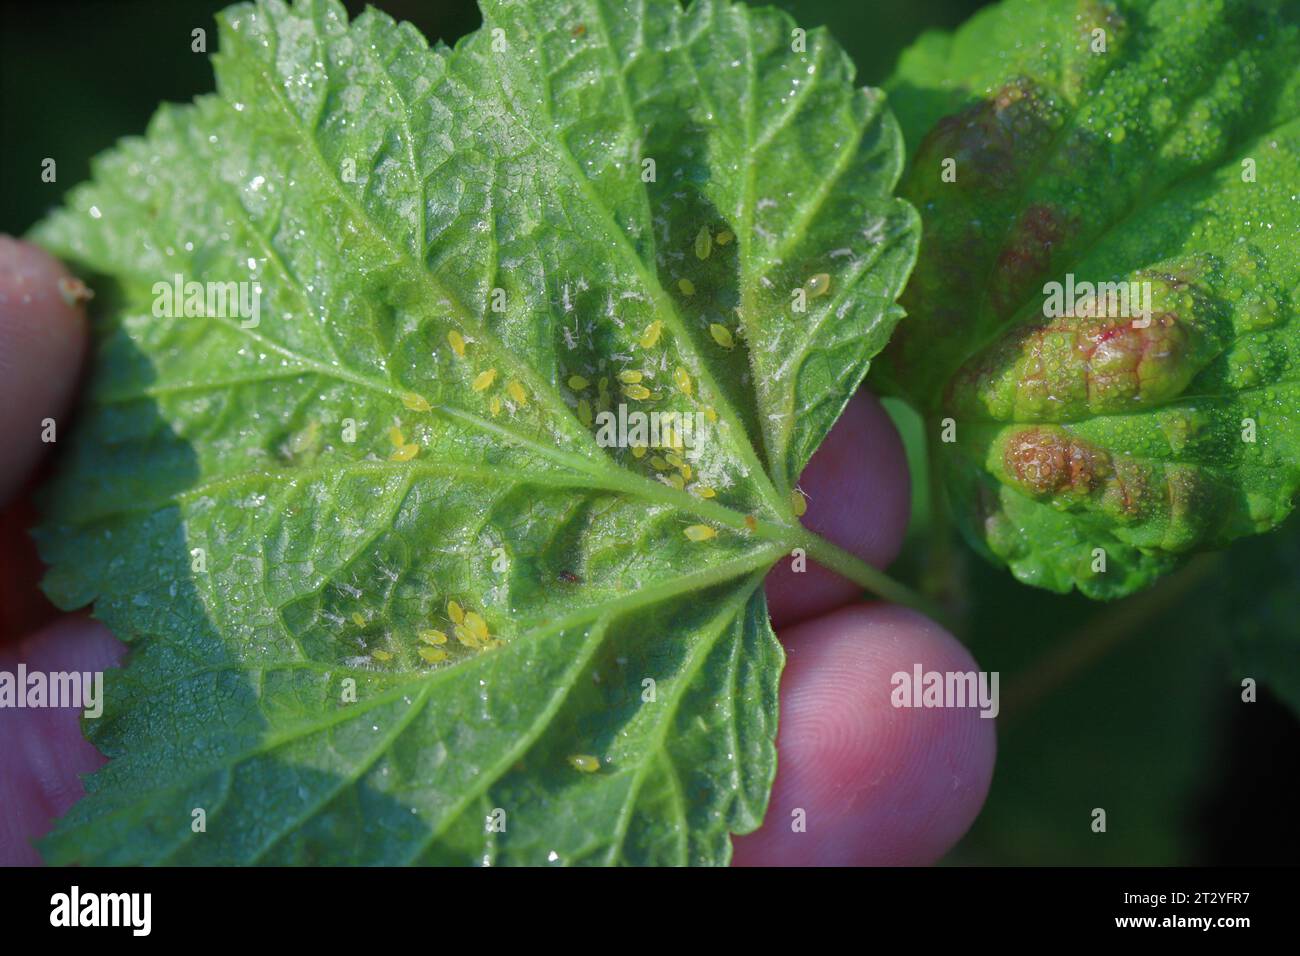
x: 42, y: 340
x: 45, y: 754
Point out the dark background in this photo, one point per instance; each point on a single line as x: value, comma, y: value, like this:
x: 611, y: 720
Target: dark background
x: 1133, y: 706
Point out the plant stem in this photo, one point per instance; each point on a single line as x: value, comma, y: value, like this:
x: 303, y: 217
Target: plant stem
x: 939, y: 579
x: 877, y: 582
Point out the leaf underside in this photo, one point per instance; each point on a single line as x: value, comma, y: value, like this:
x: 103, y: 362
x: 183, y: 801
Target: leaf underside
x: 1151, y: 141
x: 261, y: 563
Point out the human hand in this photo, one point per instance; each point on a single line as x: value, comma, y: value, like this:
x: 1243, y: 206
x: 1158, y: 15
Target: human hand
x: 877, y: 785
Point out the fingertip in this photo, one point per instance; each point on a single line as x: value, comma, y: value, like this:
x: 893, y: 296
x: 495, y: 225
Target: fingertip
x: 46, y: 754
x: 42, y: 342
x: 868, y: 782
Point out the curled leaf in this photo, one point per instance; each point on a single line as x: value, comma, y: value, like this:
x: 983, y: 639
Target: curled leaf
x: 1104, y: 313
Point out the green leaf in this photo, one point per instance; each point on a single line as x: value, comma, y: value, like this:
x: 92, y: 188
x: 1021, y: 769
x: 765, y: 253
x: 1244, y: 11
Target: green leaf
x: 1146, y: 141
x: 275, y: 514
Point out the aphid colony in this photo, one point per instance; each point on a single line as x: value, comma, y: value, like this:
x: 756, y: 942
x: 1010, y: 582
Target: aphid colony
x: 468, y: 627
x: 671, y: 467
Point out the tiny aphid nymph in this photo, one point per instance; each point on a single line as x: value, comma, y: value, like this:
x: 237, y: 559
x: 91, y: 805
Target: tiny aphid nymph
x: 818, y: 285
x: 703, y: 243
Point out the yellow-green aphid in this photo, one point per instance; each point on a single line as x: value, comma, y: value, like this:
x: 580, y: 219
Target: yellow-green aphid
x: 515, y: 390
x: 818, y: 285
x: 650, y: 337
x: 483, y: 381
x: 404, y: 453
x: 704, y: 491
x: 687, y: 287
x: 658, y: 464
x: 466, y: 636
x: 724, y: 237
x: 433, y: 655
x: 304, y: 440
x: 677, y: 481
x: 396, y: 437
x: 577, y: 383
x: 381, y: 655
x: 722, y: 335
x: 477, y: 626
x: 711, y: 414
x: 630, y: 376
x: 415, y: 403
x: 638, y: 451
x: 494, y: 406
x: 433, y: 637
x: 798, y: 503
x: 700, y: 532
x: 584, y: 412
x: 703, y: 243
x: 357, y: 619
x: 584, y: 763
x: 638, y: 392
x: 455, y: 612
x: 674, y: 459
x: 457, y: 343
x: 683, y: 380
